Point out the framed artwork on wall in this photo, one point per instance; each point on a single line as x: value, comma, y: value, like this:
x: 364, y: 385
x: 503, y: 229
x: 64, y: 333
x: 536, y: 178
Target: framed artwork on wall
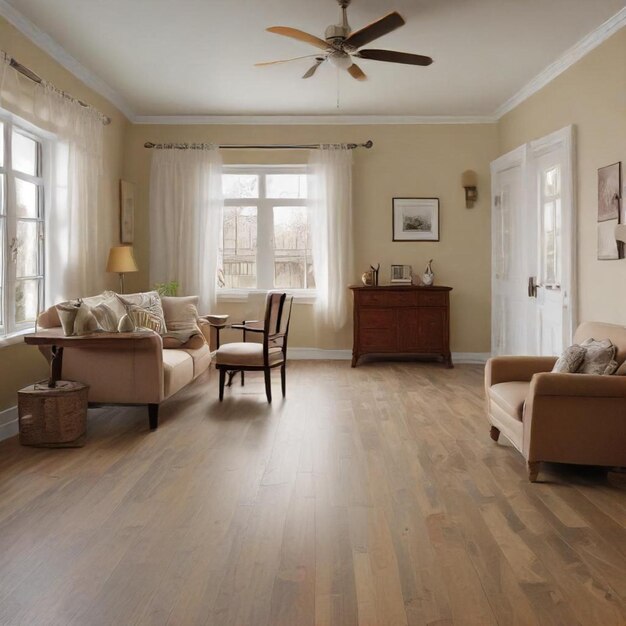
x: 415, y: 219
x: 609, y: 214
x: 127, y: 211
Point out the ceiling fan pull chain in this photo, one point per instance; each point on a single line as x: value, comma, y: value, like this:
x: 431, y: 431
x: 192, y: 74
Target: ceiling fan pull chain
x: 338, y: 103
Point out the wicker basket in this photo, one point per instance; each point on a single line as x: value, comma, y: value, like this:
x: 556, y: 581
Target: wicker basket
x: 53, y: 418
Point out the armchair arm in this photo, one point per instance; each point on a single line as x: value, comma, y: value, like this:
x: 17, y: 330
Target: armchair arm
x: 581, y: 385
x: 501, y: 369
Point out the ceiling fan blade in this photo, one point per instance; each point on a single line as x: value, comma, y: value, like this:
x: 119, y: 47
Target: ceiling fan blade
x: 313, y: 68
x: 356, y: 72
x: 306, y: 56
x: 375, y: 30
x: 394, y: 57
x: 300, y: 35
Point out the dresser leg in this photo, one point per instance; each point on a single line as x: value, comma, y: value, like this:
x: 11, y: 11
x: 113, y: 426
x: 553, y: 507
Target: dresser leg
x: 447, y: 359
x: 355, y: 358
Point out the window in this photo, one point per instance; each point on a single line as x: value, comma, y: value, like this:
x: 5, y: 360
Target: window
x: 21, y: 228
x: 550, y: 216
x: 266, y: 240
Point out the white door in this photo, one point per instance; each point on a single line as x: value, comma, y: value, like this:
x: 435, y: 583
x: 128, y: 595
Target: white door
x: 533, y: 244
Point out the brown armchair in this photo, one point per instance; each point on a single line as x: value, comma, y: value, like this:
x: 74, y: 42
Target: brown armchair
x: 253, y: 356
x: 561, y: 418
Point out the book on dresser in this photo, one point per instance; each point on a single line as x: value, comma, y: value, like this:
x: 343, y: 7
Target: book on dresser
x: 402, y: 319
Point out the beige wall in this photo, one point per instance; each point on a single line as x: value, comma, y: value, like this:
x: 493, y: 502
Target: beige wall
x: 591, y: 95
x: 415, y: 160
x: 19, y: 364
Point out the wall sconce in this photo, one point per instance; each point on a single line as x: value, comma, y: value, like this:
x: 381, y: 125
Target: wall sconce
x: 469, y: 180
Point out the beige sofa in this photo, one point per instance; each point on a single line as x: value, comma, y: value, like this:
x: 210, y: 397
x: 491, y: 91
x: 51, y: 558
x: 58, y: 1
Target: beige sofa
x: 562, y: 418
x: 139, y: 373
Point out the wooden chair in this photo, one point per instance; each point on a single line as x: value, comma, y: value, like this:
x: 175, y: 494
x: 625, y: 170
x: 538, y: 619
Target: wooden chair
x: 253, y: 356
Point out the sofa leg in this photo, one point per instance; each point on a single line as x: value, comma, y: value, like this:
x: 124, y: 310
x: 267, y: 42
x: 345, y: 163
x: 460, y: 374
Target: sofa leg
x: 533, y: 470
x: 494, y: 433
x: 153, y: 416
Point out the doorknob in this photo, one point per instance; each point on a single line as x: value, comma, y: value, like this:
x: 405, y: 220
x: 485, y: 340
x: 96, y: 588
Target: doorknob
x: 532, y: 287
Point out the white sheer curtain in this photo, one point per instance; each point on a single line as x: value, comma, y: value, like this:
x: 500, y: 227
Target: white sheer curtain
x: 330, y: 215
x: 75, y: 248
x: 186, y: 220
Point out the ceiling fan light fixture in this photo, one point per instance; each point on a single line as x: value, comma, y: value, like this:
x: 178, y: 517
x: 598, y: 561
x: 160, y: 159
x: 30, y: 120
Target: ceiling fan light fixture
x: 340, y: 59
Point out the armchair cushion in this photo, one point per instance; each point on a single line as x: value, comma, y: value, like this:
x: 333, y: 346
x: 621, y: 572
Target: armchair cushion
x: 510, y: 397
x: 246, y: 354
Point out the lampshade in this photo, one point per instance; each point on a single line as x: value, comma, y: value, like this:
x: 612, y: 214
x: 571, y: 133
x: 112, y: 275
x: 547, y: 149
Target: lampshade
x: 121, y: 260
x: 469, y: 179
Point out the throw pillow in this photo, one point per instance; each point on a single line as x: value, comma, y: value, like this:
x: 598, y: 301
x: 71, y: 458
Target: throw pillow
x: 599, y: 357
x: 67, y: 314
x: 570, y: 360
x: 86, y: 322
x: 181, y: 317
x: 145, y: 310
x: 621, y: 370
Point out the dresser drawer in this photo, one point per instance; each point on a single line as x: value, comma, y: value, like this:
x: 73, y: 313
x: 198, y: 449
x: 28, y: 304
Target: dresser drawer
x: 432, y: 298
x: 377, y: 318
x: 388, y: 298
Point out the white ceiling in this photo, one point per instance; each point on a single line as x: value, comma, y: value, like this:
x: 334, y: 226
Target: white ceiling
x: 195, y: 57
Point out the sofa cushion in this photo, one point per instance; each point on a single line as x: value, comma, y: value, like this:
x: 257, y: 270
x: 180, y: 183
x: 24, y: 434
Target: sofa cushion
x: 177, y: 371
x: 510, y: 397
x: 181, y: 318
x: 246, y: 354
x: 201, y: 358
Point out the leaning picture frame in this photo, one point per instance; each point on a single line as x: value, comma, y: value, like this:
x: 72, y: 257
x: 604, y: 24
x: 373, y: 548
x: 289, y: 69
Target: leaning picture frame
x: 415, y: 219
x: 127, y: 212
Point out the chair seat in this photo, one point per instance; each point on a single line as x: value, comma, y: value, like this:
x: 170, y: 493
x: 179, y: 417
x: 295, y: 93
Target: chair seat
x: 246, y: 354
x: 510, y: 397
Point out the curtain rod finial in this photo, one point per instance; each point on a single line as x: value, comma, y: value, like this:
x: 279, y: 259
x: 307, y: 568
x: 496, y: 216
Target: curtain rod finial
x: 368, y: 144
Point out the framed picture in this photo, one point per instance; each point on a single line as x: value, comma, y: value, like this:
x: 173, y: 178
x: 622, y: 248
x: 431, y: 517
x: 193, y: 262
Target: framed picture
x: 609, y: 214
x: 127, y: 211
x: 401, y: 274
x: 415, y: 219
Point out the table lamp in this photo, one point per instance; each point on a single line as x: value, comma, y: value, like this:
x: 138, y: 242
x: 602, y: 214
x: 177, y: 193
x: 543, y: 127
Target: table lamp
x: 121, y: 261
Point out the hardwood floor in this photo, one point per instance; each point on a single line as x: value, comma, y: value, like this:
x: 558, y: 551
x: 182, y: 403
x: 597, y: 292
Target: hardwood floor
x: 371, y: 495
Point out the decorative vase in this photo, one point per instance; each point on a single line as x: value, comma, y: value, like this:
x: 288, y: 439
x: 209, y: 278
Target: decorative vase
x: 367, y: 278
x: 428, y: 277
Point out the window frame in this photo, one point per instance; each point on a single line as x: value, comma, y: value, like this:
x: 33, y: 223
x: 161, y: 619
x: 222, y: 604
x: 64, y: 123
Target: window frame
x: 10, y: 330
x: 264, y: 208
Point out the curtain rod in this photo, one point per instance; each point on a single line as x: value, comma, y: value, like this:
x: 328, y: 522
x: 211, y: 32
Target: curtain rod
x: 25, y: 71
x: 269, y: 146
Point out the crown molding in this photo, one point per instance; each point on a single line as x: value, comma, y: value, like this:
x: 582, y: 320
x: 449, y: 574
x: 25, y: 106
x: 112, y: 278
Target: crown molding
x: 564, y: 62
x: 64, y: 58
x: 317, y: 120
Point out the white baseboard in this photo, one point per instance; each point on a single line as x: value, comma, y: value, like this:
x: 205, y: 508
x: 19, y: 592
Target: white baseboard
x: 8, y: 423
x: 318, y: 354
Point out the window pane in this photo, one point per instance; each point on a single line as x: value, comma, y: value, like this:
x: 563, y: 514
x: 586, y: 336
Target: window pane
x: 26, y: 300
x: 3, y: 208
x: 24, y: 153
x: 286, y: 185
x: 552, y: 182
x: 293, y: 265
x: 26, y: 198
x: 239, y: 248
x: 240, y: 185
x: 27, y: 260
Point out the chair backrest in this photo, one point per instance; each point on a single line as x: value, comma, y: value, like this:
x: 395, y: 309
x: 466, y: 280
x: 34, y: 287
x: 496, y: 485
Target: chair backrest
x: 277, y: 316
x: 600, y: 330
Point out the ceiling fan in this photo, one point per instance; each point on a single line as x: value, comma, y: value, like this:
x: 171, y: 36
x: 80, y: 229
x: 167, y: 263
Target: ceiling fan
x: 341, y: 46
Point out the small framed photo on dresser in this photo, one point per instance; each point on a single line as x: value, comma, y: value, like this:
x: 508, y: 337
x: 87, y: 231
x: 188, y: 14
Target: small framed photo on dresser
x: 415, y: 219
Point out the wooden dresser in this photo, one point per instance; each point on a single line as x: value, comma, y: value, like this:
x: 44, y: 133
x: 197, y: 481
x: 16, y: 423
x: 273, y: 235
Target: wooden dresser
x: 402, y: 320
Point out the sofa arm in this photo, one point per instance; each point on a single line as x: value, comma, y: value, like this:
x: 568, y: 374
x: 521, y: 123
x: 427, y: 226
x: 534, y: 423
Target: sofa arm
x: 581, y: 385
x: 502, y: 369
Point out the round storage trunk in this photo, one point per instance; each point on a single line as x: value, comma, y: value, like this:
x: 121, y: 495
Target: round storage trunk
x: 53, y: 417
